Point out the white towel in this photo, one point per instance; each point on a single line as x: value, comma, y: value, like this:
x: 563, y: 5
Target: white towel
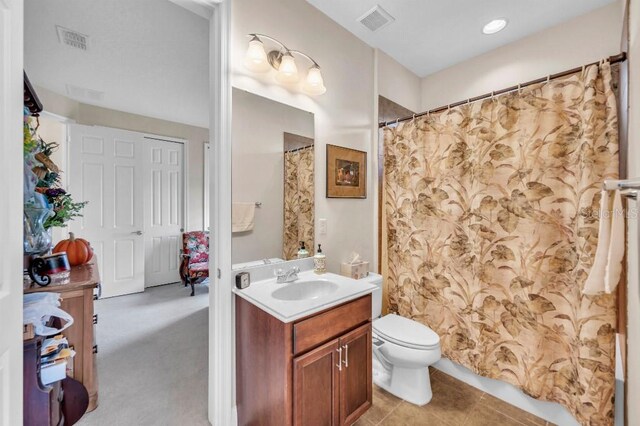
x: 607, y: 266
x: 242, y: 215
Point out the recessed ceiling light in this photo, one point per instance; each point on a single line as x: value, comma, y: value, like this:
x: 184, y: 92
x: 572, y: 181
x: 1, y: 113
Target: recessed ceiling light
x: 495, y: 26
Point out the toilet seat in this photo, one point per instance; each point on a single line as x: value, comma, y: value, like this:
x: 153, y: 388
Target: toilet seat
x: 406, y: 332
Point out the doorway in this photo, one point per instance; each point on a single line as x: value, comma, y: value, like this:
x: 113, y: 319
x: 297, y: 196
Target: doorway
x: 220, y: 399
x: 134, y: 186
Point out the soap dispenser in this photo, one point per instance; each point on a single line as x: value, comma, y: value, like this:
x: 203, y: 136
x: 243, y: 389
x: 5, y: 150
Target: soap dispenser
x: 319, y: 261
x: 303, y: 252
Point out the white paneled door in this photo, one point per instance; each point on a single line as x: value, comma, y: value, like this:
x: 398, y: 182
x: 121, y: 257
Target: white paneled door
x: 106, y: 168
x: 163, y: 210
x: 11, y: 165
x: 135, y: 188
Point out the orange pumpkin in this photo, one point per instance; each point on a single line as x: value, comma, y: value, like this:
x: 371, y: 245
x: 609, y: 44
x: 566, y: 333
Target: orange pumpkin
x: 78, y: 250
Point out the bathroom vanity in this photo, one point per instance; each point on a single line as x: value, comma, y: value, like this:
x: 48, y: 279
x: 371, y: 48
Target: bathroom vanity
x: 303, y: 355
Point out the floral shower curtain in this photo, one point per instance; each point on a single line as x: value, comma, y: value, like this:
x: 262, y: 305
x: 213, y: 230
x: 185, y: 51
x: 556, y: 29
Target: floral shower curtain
x: 299, y: 196
x: 491, y: 223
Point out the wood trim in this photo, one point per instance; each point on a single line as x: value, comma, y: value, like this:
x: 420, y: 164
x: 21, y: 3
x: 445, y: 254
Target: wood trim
x: 326, y: 326
x: 380, y: 194
x: 365, y: 332
x: 623, y: 149
x: 299, y: 365
x: 263, y: 367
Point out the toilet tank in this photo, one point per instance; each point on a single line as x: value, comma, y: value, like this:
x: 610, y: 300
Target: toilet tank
x: 376, y: 296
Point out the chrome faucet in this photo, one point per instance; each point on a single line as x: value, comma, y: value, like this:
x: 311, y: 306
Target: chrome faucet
x: 288, y: 276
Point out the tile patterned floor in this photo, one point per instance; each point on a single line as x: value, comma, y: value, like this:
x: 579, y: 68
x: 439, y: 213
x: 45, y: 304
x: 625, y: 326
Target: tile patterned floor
x: 454, y: 403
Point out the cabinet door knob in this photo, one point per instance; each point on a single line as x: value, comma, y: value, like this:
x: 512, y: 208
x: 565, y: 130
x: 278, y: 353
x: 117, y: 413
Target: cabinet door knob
x: 339, y: 365
x: 346, y: 355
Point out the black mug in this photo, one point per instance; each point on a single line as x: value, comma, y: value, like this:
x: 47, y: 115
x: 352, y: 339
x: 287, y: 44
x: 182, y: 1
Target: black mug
x: 42, y: 267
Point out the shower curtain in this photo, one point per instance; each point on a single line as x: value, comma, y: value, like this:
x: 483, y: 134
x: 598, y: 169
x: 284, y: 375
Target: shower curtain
x: 299, y: 196
x: 491, y: 225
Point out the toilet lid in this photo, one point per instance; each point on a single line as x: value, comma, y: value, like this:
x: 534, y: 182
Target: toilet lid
x: 405, y: 332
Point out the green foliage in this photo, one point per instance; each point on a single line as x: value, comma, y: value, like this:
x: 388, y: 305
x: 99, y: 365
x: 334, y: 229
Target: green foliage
x: 64, y: 210
x: 30, y: 143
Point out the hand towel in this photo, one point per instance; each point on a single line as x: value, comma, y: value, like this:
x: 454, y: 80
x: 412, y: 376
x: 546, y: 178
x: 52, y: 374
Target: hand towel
x: 242, y: 216
x: 617, y: 245
x: 607, y: 266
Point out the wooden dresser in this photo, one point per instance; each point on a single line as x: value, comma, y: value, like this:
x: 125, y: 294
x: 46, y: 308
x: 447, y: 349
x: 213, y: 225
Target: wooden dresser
x: 77, y: 299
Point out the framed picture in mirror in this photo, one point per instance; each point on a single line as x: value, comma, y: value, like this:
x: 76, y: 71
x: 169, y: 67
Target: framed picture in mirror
x: 346, y: 172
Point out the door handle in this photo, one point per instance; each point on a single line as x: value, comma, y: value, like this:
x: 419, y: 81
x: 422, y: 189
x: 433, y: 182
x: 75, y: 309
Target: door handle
x: 346, y: 355
x: 339, y: 365
x: 137, y: 232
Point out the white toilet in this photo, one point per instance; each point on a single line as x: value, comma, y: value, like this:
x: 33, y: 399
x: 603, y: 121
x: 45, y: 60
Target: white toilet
x: 403, y: 350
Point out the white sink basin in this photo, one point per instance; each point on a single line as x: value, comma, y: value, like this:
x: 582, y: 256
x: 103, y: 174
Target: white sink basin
x: 309, y: 294
x: 305, y: 290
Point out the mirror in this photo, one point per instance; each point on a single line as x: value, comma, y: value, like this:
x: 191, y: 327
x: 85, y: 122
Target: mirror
x: 273, y: 186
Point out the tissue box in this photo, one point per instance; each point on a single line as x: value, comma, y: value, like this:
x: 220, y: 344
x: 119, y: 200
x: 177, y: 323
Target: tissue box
x: 355, y: 270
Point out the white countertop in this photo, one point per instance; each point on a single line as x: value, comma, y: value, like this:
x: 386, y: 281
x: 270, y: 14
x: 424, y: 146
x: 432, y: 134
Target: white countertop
x: 259, y: 293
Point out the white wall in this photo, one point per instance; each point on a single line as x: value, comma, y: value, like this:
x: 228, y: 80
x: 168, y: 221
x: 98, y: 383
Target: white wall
x: 633, y: 294
x: 343, y: 116
x: 585, y: 39
x: 257, y: 129
x: 397, y: 83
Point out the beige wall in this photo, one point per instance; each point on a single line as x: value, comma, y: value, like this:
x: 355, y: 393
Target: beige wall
x: 97, y: 116
x: 585, y: 39
x: 633, y: 295
x: 398, y: 83
x: 258, y: 126
x: 343, y: 116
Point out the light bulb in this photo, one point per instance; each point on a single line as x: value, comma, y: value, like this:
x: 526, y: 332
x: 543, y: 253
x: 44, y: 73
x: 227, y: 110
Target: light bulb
x: 495, y: 26
x: 288, y: 71
x: 256, y: 59
x: 314, y: 84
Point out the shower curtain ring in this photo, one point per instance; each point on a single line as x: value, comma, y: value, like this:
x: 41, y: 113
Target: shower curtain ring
x: 519, y: 89
x: 548, y: 78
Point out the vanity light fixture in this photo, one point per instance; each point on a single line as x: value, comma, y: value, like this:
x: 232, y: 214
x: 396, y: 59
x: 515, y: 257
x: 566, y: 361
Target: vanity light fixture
x: 283, y: 61
x: 495, y: 26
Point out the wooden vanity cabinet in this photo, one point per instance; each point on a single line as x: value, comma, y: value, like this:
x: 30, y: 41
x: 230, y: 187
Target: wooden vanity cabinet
x: 314, y: 371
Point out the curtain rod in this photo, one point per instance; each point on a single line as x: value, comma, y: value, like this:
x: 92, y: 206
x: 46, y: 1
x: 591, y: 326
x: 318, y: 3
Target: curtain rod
x: 301, y: 148
x: 612, y: 59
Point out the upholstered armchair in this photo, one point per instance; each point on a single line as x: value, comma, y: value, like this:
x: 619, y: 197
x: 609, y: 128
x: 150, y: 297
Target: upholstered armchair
x: 195, y: 258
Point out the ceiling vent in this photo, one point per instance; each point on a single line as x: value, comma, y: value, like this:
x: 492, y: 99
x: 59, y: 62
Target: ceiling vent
x: 376, y: 18
x: 80, y: 93
x: 72, y: 38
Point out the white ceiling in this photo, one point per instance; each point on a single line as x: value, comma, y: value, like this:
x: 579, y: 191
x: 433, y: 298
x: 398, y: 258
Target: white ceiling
x: 431, y: 35
x: 149, y: 57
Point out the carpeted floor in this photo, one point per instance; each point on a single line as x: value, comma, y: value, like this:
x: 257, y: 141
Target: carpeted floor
x: 152, y: 359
